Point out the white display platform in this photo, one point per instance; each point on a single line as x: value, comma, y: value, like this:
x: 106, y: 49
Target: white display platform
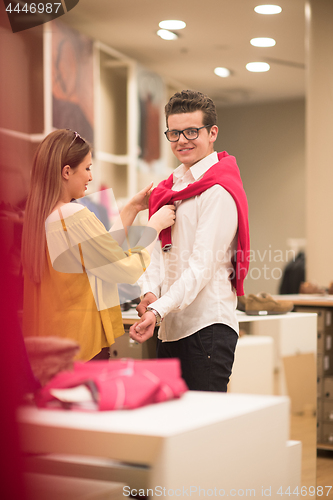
x: 228, y: 442
x: 253, y: 368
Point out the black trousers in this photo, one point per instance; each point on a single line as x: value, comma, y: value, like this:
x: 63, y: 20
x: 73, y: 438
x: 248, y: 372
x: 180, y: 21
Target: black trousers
x: 206, y: 357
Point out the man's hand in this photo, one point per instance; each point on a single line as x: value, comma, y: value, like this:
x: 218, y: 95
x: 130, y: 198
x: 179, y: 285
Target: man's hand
x: 148, y: 299
x: 144, y: 329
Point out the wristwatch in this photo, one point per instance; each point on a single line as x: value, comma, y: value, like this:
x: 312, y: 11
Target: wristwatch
x: 157, y: 315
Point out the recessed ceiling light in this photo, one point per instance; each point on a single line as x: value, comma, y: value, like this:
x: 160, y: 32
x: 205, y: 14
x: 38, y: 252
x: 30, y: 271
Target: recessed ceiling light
x: 223, y: 72
x: 268, y: 9
x: 172, y: 25
x: 263, y: 42
x: 167, y: 35
x: 257, y: 67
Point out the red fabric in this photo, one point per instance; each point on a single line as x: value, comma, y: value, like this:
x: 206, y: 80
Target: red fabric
x: 122, y: 384
x: 226, y: 174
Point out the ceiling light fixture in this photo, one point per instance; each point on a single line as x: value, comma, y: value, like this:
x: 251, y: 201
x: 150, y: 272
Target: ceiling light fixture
x: 167, y: 35
x: 263, y: 42
x: 172, y: 25
x: 222, y: 72
x: 257, y: 67
x: 268, y: 9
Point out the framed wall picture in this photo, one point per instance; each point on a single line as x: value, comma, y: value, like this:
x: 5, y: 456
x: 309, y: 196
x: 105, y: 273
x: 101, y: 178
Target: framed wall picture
x: 72, y: 81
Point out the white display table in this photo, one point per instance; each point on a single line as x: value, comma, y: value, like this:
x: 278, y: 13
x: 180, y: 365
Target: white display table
x: 293, y: 333
x: 217, y: 442
x: 295, y: 351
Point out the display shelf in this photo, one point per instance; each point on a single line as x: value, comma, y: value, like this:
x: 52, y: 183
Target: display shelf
x: 322, y: 305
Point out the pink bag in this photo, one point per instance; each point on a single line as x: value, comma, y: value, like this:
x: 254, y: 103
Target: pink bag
x: 115, y: 385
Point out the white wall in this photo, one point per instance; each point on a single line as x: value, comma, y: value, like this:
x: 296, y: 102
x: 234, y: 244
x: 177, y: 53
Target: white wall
x: 268, y: 141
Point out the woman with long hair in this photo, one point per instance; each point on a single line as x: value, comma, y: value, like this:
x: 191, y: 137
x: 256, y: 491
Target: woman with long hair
x: 71, y: 263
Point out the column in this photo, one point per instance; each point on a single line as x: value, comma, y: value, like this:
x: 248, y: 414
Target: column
x: 319, y: 141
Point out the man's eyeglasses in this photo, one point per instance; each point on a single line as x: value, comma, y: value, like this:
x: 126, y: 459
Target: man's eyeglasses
x: 189, y: 133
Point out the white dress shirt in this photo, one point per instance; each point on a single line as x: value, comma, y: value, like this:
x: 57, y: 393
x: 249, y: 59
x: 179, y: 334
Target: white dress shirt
x: 192, y: 280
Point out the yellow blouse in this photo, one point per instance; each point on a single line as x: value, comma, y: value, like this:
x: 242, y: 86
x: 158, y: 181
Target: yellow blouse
x: 77, y: 297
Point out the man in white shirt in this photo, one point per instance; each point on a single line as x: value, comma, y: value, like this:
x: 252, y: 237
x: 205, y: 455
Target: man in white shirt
x: 187, y: 289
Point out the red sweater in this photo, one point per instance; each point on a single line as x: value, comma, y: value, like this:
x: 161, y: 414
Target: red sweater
x: 226, y: 174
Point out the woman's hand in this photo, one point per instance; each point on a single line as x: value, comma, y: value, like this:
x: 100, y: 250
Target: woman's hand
x: 164, y: 217
x: 133, y: 207
x: 140, y: 200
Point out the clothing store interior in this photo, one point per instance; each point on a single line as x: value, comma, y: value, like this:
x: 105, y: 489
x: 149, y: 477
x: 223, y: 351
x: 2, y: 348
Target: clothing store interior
x: 113, y: 340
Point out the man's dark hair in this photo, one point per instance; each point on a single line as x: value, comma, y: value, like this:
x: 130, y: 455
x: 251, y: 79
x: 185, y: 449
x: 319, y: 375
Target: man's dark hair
x: 188, y: 101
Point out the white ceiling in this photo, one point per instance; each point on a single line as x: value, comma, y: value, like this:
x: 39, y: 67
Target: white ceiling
x: 218, y: 33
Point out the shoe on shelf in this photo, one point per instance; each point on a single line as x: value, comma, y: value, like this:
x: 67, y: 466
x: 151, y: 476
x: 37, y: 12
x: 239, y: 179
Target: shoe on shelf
x: 306, y: 287
x: 263, y: 304
x: 330, y: 289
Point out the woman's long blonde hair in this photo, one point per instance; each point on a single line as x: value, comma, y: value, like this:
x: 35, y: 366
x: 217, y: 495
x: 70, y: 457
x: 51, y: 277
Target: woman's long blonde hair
x: 60, y: 148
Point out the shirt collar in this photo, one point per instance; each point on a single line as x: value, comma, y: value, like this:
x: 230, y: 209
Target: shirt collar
x: 198, y: 169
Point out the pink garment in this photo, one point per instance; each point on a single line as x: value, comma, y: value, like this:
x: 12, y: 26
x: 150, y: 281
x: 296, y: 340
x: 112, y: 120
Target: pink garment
x: 121, y: 384
x: 226, y: 174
